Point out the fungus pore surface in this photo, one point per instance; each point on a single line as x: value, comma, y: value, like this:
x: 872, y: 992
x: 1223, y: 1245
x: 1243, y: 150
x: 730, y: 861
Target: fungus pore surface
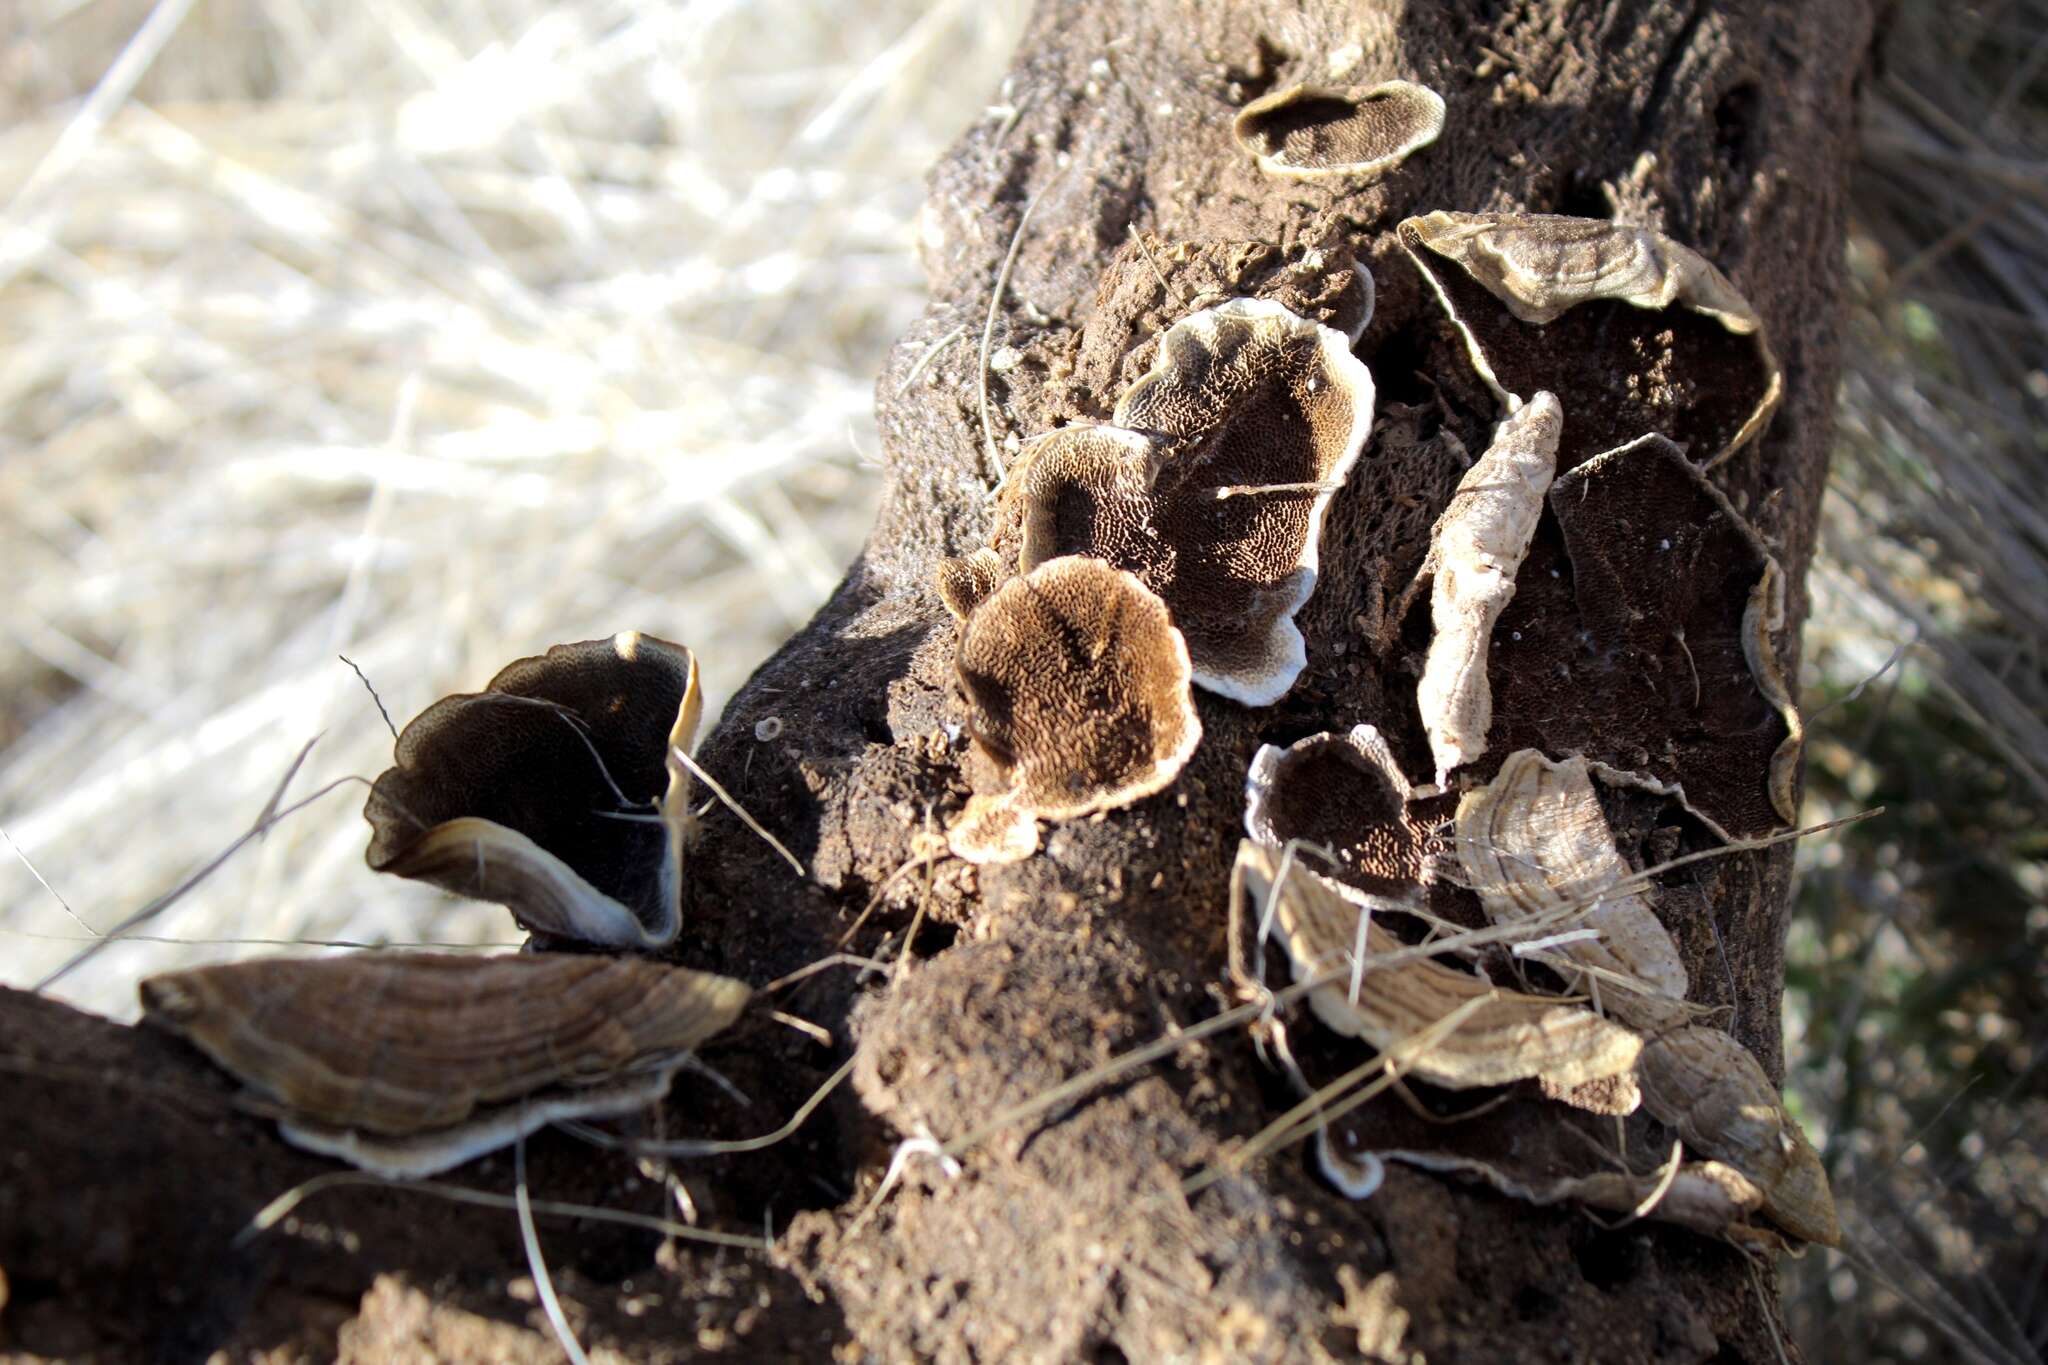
x: 1310, y: 132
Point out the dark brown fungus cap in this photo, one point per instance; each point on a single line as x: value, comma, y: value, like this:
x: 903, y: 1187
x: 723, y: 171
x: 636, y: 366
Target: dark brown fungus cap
x: 554, y: 792
x: 412, y: 1062
x: 1641, y: 637
x: 1347, y: 794
x: 1307, y: 132
x: 1212, y: 485
x: 1635, y: 332
x: 1078, y: 699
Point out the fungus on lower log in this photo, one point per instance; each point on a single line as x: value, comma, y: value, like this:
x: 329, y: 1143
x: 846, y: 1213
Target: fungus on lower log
x: 407, y: 1064
x: 1310, y: 132
x: 1078, y: 700
x: 1346, y: 794
x: 1642, y: 635
x: 1636, y: 332
x: 556, y: 791
x: 1212, y: 485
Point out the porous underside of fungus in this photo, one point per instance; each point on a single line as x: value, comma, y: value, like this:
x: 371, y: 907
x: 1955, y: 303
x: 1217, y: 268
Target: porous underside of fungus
x: 1436, y: 1022
x: 412, y: 1062
x: 1309, y: 132
x: 1078, y: 700
x: 555, y: 791
x: 1536, y: 847
x: 1641, y: 636
x: 1636, y: 332
x: 1211, y: 486
x: 1344, y: 793
x: 966, y: 581
x: 1474, y: 555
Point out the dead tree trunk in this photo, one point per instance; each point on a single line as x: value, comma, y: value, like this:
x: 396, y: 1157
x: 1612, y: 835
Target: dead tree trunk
x: 1724, y: 123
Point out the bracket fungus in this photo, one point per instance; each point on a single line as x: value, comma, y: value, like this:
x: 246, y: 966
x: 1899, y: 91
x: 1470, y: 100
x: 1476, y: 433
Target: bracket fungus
x: 1478, y: 546
x: 1637, y: 332
x: 1535, y: 846
x: 1310, y: 132
x: 1670, y: 679
x: 1212, y: 484
x: 1393, y: 1006
x: 1347, y: 794
x: 407, y: 1064
x: 556, y: 791
x: 967, y: 581
x: 1078, y: 700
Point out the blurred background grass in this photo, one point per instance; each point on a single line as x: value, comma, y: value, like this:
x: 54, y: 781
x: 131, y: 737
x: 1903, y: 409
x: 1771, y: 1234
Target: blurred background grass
x: 431, y: 334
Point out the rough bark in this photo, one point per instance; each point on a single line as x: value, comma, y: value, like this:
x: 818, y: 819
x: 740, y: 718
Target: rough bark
x: 125, y: 1169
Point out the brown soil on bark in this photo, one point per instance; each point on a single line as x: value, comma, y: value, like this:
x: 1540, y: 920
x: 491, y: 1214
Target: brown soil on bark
x: 126, y: 1171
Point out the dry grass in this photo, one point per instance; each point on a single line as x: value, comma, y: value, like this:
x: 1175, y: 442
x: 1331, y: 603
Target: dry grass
x: 427, y: 334
x: 430, y: 334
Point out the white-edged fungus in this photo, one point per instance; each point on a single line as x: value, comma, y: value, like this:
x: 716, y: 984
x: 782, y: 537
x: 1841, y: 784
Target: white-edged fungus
x: 1538, y: 267
x: 1212, y: 484
x: 409, y: 1063
x: 1078, y: 699
x: 1312, y: 132
x: 555, y: 792
x: 1507, y: 1036
x: 1475, y: 551
x: 1345, y: 793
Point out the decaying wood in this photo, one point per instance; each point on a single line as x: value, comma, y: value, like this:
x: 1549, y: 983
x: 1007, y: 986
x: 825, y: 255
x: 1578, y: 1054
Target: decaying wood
x: 1068, y: 1235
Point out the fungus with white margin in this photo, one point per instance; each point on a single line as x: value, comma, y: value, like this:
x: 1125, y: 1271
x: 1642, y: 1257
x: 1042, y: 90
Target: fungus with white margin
x: 1212, y: 484
x: 1345, y: 793
x: 1637, y: 332
x: 555, y: 792
x: 1311, y: 132
x: 1479, y: 543
x: 407, y: 1064
x: 1643, y: 637
x: 1078, y: 701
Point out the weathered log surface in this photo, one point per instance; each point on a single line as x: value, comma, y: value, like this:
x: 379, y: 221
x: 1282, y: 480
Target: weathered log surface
x: 125, y: 1170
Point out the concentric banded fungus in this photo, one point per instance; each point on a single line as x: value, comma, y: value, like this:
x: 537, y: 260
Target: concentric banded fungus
x: 1347, y: 794
x: 1710, y: 1089
x: 1308, y: 132
x: 1479, y: 544
x: 1535, y: 845
x: 1677, y: 601
x: 1078, y: 699
x: 555, y: 791
x: 410, y: 1063
x: 1508, y: 1036
x: 1637, y: 332
x: 1212, y: 485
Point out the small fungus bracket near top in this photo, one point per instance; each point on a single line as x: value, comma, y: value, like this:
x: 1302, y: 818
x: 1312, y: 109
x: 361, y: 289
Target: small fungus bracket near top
x: 1313, y: 132
x: 556, y: 791
x: 1634, y: 332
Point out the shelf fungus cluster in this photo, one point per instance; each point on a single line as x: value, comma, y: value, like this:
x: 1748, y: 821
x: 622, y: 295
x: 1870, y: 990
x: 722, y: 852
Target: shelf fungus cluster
x: 1342, y: 847
x: 1637, y: 332
x: 1312, y: 132
x: 1131, y: 561
x: 558, y: 791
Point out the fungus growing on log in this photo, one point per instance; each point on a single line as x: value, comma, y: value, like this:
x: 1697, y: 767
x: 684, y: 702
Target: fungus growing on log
x: 1637, y: 332
x: 1670, y: 677
x: 1477, y: 548
x: 409, y: 1063
x: 555, y: 792
x: 1393, y: 1007
x: 1212, y: 484
x: 1078, y: 700
x: 1310, y: 132
x: 1535, y: 846
x: 1346, y: 794
x: 964, y: 583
